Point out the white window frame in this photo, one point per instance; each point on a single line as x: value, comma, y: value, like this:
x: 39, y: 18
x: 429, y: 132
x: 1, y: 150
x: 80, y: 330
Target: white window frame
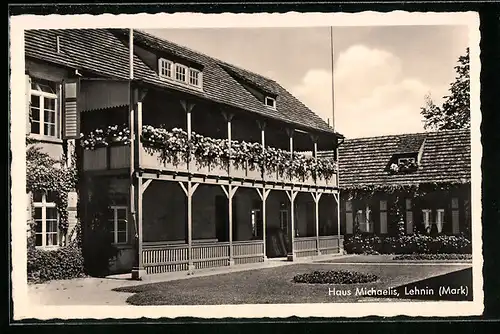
x: 42, y: 96
x: 365, y: 225
x: 115, y: 209
x: 439, y: 220
x: 268, y: 98
x: 162, y: 67
x: 44, y: 205
x: 198, y: 78
x: 186, y: 73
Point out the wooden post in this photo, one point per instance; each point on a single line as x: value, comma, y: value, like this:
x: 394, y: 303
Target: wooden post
x: 190, y: 227
x: 187, y: 106
x: 291, y: 196
x: 228, y: 118
x: 338, y: 221
x: 230, y: 203
x: 317, y: 196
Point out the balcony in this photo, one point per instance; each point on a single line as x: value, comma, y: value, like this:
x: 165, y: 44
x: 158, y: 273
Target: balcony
x: 173, y: 152
x: 118, y: 157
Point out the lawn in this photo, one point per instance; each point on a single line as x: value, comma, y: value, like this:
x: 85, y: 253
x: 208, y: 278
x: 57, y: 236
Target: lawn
x: 276, y: 286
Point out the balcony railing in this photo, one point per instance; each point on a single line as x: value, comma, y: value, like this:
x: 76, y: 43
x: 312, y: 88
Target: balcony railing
x: 118, y: 157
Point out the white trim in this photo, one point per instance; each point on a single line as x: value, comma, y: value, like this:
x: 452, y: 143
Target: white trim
x: 198, y: 78
x: 406, y: 160
x: 41, y: 109
x: 162, y: 62
x: 44, y: 205
x: 268, y: 98
x: 186, y: 73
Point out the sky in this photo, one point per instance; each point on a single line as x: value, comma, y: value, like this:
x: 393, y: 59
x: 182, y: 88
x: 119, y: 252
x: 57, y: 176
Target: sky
x: 381, y: 73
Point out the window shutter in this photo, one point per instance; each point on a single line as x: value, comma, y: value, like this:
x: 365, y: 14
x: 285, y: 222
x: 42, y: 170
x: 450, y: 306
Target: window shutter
x: 455, y: 216
x: 348, y: 217
x: 383, y: 217
x: 71, y: 112
x: 409, y: 217
x: 28, y: 104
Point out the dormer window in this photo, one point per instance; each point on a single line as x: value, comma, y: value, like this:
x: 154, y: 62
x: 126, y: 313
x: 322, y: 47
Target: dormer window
x: 270, y: 102
x: 165, y: 68
x: 179, y: 73
x: 194, y: 77
x: 406, y: 161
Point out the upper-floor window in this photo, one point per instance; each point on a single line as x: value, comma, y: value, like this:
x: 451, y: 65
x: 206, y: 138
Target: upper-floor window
x: 270, y: 102
x: 118, y: 224
x: 44, y: 113
x: 46, y: 220
x: 165, y: 68
x: 180, y: 73
x: 194, y: 77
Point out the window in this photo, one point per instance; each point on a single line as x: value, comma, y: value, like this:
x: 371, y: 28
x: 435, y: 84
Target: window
x: 256, y: 222
x: 43, y: 109
x: 270, y: 102
x: 180, y: 72
x: 165, y: 68
x: 46, y: 220
x: 194, y: 77
x: 428, y: 222
x: 365, y: 221
x: 118, y: 225
x: 284, y: 219
x: 406, y: 161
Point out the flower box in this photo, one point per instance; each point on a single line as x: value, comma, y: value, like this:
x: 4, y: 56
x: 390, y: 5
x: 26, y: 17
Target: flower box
x: 237, y: 171
x: 331, y: 182
x: 152, y: 160
x: 271, y: 175
x: 198, y: 167
x: 119, y: 157
x: 254, y: 171
x: 95, y: 159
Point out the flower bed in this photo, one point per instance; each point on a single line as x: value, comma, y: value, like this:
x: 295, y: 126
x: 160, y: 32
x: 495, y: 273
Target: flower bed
x: 433, y: 257
x: 407, y: 244
x: 174, y: 145
x: 335, y: 277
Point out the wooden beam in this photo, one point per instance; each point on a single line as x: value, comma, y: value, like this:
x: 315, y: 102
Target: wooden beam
x: 266, y: 193
x: 186, y: 105
x: 194, y: 187
x: 316, y: 218
x: 145, y: 185
x: 230, y: 221
x: 224, y: 189
x: 260, y: 193
x: 183, y: 187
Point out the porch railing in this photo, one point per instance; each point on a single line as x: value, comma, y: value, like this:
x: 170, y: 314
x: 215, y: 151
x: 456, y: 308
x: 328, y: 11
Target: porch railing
x: 170, y: 257
x: 116, y: 157
x: 330, y: 244
x: 305, y: 246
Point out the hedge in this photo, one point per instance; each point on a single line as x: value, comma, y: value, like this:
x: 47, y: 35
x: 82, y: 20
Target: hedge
x: 63, y: 263
x: 407, y: 244
x: 411, y: 257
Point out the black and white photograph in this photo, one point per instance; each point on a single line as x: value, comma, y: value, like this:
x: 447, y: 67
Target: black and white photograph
x: 246, y: 165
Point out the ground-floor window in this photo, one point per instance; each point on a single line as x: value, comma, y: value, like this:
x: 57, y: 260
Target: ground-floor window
x: 118, y: 224
x: 433, y: 220
x: 46, y: 220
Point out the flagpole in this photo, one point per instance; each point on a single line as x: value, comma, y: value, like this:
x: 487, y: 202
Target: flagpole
x: 333, y: 79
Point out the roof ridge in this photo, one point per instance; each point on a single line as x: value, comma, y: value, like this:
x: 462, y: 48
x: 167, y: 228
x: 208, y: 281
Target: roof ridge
x: 434, y: 132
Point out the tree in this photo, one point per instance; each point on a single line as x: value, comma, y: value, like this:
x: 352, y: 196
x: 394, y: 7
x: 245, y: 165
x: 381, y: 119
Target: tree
x: 455, y: 111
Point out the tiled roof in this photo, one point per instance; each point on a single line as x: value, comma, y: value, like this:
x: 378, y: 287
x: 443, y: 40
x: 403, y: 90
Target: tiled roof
x: 446, y: 158
x: 103, y: 52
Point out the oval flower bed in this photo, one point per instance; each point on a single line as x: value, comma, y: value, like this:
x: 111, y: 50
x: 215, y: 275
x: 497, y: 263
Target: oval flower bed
x: 335, y: 277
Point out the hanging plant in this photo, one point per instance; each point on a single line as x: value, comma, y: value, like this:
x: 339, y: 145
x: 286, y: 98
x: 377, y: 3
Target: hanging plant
x: 175, y: 146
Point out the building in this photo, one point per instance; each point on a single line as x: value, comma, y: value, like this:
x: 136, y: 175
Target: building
x: 189, y: 162
x: 426, y: 177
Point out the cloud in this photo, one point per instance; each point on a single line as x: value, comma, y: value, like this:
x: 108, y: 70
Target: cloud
x: 372, y: 96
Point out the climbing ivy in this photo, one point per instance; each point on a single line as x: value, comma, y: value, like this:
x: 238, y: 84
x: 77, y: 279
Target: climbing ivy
x: 45, y: 174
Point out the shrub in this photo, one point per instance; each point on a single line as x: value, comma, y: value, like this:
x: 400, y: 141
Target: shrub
x: 433, y: 257
x: 335, y: 277
x: 62, y: 263
x: 407, y: 244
